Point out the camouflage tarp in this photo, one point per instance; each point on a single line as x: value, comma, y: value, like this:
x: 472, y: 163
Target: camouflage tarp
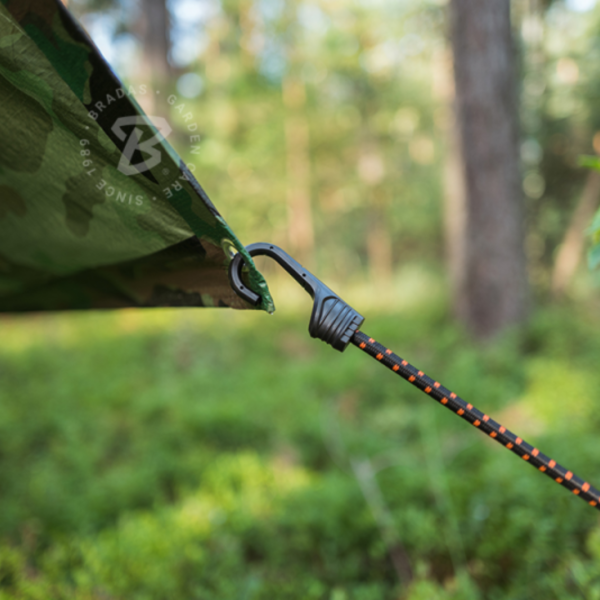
x: 96, y: 208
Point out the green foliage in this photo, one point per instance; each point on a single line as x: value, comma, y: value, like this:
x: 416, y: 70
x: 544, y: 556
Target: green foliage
x: 162, y: 455
x: 593, y: 162
x: 375, y: 105
x: 159, y: 455
x: 370, y: 121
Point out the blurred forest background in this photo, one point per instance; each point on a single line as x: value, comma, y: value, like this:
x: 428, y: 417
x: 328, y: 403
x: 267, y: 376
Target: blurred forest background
x: 423, y: 157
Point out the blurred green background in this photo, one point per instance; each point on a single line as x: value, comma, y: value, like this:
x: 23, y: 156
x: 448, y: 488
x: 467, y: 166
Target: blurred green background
x: 208, y: 454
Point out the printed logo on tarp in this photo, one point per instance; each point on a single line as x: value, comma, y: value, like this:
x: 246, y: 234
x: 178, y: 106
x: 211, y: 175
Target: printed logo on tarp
x: 134, y: 143
x: 142, y: 151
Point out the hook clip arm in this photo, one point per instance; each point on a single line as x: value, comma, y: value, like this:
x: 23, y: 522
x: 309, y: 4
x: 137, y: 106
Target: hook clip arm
x: 332, y: 320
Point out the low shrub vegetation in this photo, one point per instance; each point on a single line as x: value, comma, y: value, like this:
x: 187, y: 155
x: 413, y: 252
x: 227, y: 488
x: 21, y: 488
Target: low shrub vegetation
x: 194, y: 455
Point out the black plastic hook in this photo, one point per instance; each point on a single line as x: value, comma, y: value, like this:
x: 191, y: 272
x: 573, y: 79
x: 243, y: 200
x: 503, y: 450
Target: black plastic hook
x: 332, y: 320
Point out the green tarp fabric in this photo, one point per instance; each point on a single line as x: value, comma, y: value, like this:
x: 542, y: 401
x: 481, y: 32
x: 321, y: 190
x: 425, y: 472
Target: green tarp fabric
x: 96, y: 208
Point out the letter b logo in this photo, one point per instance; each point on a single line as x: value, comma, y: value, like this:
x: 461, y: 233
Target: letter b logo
x: 152, y: 155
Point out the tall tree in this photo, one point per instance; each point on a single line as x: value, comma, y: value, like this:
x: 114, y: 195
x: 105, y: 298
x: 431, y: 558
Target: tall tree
x: 492, y: 289
x: 297, y: 138
x: 570, y: 251
x: 154, y: 34
x: 153, y: 30
x: 371, y: 171
x: 300, y: 218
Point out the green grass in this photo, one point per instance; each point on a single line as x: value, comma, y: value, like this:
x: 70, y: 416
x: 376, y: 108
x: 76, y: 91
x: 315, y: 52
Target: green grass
x: 160, y: 455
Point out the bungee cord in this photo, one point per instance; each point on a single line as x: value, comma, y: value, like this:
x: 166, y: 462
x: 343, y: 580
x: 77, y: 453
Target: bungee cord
x: 480, y: 420
x: 337, y: 324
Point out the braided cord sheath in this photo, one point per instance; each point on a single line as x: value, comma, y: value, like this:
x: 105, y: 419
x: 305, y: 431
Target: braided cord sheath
x: 480, y: 420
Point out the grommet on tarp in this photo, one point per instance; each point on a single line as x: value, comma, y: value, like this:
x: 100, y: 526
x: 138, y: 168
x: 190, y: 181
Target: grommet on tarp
x: 332, y: 320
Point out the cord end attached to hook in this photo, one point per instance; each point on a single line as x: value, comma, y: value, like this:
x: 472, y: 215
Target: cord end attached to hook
x: 332, y: 320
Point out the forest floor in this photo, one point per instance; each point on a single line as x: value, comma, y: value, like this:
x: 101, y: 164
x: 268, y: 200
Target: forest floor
x: 183, y: 454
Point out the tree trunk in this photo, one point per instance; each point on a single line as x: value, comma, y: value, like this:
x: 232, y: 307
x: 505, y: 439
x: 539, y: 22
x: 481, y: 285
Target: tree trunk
x: 379, y: 247
x: 300, y: 219
x: 453, y: 179
x: 570, y: 250
x: 155, y: 38
x: 152, y: 28
x: 455, y: 217
x: 371, y: 170
x: 492, y: 290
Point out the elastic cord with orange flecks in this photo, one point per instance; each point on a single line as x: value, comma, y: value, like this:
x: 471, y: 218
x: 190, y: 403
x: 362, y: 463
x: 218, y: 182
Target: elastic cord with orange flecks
x: 480, y: 420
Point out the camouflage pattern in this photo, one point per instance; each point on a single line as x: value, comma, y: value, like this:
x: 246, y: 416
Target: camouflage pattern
x: 76, y: 231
